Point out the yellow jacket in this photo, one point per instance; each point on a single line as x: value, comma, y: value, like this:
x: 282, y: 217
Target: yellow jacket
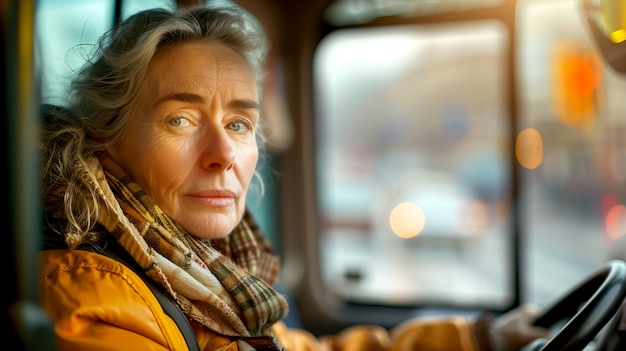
x: 97, y: 303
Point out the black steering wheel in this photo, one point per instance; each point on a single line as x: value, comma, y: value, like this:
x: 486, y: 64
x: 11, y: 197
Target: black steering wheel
x: 587, y: 308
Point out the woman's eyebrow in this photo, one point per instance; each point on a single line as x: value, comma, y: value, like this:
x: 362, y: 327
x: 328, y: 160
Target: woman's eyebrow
x: 194, y: 98
x: 244, y: 104
x: 184, y: 97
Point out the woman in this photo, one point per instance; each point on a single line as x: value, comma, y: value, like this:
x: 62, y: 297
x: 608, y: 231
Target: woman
x: 145, y: 175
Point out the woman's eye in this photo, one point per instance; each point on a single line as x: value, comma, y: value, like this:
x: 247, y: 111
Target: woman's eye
x: 179, y: 122
x: 238, y: 126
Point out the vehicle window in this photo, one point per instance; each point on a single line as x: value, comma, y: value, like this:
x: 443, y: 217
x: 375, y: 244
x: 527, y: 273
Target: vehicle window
x: 413, y: 164
x: 415, y: 158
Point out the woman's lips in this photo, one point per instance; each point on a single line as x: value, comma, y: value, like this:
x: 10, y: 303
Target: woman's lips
x: 214, y: 198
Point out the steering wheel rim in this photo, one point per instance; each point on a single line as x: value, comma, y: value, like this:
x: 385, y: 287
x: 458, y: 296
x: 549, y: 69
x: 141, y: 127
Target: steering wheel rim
x: 599, y: 296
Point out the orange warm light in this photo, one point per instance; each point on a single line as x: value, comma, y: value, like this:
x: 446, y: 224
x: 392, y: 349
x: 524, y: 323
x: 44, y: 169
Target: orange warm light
x: 529, y: 148
x: 577, y: 82
x: 407, y: 220
x: 615, y: 222
x: 614, y: 216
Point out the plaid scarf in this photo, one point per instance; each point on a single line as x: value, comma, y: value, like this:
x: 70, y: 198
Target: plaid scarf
x: 223, y: 284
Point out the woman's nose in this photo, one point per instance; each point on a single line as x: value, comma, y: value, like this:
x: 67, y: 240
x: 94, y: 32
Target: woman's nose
x: 219, y: 151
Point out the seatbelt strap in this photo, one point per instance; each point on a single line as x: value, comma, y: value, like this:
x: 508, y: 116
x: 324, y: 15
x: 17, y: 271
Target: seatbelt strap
x: 114, y: 251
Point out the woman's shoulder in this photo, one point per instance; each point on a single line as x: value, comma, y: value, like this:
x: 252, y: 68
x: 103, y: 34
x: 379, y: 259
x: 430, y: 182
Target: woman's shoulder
x: 82, y: 262
x: 87, y: 293
x: 91, y: 278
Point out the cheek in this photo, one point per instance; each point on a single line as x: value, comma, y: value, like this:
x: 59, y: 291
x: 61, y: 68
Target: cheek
x: 158, y: 166
x: 249, y: 161
x: 167, y: 163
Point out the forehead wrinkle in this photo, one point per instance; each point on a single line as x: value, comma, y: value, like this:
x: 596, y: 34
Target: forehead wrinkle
x: 177, y: 84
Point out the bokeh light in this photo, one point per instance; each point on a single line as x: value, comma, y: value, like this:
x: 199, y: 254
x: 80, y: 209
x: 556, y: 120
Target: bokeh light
x: 529, y: 148
x: 616, y: 222
x: 614, y: 214
x: 407, y: 220
x: 475, y: 219
x: 577, y: 84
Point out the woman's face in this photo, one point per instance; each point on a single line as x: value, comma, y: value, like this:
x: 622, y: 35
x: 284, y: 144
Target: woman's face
x: 190, y: 141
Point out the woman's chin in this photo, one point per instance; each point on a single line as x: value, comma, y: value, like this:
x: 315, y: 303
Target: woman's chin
x: 214, y: 226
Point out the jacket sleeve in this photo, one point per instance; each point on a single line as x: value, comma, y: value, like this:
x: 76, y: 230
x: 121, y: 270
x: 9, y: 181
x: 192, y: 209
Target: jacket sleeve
x: 433, y: 334
x: 96, y: 304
